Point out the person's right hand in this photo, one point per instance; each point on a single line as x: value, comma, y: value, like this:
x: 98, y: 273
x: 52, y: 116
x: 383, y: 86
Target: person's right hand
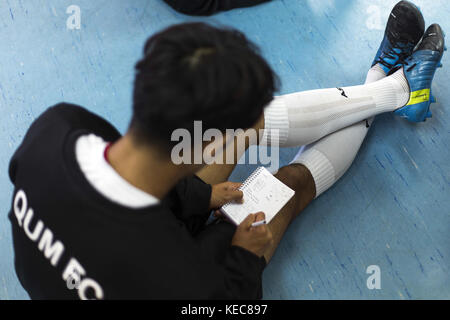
x: 254, y: 239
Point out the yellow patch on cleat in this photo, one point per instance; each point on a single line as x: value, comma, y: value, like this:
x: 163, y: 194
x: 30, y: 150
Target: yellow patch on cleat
x: 419, y: 96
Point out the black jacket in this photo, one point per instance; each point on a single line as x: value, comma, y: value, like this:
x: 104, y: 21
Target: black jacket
x: 71, y: 242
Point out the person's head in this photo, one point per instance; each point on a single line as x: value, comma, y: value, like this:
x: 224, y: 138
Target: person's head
x: 196, y: 72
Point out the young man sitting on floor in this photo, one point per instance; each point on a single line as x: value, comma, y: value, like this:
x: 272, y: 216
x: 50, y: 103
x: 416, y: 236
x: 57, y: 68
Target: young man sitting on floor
x: 112, y: 216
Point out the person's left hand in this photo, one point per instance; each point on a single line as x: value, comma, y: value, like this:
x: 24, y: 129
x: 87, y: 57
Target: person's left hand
x: 223, y: 193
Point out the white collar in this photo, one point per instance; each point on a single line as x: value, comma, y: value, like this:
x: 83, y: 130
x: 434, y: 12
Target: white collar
x: 89, y: 151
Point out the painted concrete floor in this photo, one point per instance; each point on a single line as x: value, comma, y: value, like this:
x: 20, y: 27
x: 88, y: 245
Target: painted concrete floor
x: 392, y: 209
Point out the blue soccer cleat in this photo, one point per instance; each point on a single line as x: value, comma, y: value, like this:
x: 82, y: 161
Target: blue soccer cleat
x: 419, y: 70
x: 404, y: 30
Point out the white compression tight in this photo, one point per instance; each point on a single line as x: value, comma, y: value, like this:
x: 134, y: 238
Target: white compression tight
x: 304, y: 117
x: 329, y: 158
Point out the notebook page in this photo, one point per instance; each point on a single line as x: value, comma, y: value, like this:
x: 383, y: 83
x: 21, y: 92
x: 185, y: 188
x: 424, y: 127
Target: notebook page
x: 262, y: 193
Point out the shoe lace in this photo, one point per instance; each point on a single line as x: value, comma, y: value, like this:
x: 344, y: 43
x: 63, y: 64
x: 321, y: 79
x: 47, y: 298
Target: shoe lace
x: 401, y: 57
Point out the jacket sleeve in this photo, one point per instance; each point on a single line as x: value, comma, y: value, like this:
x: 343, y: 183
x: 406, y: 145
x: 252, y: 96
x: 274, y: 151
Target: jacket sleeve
x: 190, y: 200
x: 243, y: 274
x: 241, y: 269
x: 208, y: 7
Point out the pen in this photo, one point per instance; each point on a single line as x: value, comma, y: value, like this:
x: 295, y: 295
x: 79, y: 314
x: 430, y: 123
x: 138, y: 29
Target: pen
x: 258, y: 223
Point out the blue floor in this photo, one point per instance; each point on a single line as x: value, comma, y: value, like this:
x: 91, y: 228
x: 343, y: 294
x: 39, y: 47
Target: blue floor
x: 392, y: 209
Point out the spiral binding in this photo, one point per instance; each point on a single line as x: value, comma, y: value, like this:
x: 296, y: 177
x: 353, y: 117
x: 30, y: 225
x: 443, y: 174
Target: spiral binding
x: 252, y: 177
x: 249, y: 180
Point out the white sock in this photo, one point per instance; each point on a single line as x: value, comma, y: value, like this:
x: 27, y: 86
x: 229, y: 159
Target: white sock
x: 304, y: 117
x: 375, y: 73
x: 329, y: 158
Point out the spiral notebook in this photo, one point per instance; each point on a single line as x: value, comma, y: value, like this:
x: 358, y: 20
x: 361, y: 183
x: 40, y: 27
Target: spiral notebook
x: 262, y: 193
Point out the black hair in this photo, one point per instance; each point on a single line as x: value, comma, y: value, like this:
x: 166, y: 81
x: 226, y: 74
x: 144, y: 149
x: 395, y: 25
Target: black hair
x: 197, y: 72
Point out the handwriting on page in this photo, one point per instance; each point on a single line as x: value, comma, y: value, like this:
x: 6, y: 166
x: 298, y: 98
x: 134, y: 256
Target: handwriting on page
x: 263, y: 193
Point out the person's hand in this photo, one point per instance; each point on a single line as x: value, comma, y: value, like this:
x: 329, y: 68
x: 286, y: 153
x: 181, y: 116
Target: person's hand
x: 254, y: 239
x: 223, y: 193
